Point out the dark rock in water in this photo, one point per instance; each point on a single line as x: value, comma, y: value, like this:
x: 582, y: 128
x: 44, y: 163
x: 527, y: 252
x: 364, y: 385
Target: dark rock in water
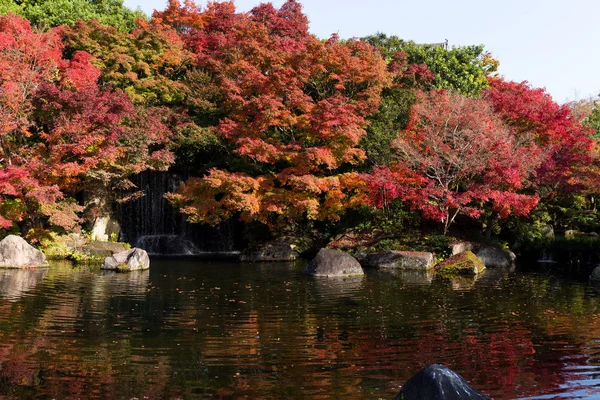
x: 15, y: 252
x: 274, y: 251
x: 491, y: 256
x: 465, y: 263
x: 438, y: 382
x: 329, y: 262
x: 130, y: 260
x: 414, y: 260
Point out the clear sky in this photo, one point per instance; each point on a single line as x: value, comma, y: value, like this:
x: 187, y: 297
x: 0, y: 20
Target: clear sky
x: 550, y: 43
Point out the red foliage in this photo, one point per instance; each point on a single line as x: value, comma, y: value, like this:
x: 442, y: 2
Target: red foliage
x: 295, y: 107
x: 59, y: 129
x: 533, y: 114
x: 455, y: 156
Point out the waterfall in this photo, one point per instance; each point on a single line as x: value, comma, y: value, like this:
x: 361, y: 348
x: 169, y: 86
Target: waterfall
x: 546, y: 257
x: 151, y: 223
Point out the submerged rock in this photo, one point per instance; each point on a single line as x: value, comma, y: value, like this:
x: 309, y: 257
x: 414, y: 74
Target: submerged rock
x: 465, y: 263
x: 274, y: 251
x: 492, y: 257
x: 130, y: 260
x: 414, y: 260
x: 329, y: 262
x: 438, y: 382
x: 15, y: 252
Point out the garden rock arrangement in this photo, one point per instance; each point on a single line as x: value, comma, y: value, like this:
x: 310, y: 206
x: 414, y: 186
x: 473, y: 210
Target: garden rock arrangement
x: 329, y: 262
x: 104, y: 249
x: 412, y: 260
x: 492, y: 257
x: 274, y: 251
x: 15, y: 252
x: 438, y: 382
x: 465, y: 263
x: 130, y: 260
x: 595, y: 277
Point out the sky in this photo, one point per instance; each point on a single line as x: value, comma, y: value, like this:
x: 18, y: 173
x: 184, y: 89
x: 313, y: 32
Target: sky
x: 549, y: 43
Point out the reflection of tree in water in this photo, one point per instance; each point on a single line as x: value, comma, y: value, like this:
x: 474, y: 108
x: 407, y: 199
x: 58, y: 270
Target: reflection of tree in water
x: 263, y: 332
x: 14, y: 283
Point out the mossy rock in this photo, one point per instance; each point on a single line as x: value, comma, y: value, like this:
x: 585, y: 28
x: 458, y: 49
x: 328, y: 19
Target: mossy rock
x: 465, y: 263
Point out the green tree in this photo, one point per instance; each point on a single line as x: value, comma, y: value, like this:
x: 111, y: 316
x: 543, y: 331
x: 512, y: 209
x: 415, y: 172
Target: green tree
x: 50, y: 13
x: 463, y: 68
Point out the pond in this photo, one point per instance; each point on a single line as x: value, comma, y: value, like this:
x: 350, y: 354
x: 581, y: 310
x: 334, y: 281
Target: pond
x: 194, y: 329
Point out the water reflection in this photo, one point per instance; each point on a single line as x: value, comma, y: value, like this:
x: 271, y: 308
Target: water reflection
x: 188, y: 330
x: 131, y: 284
x: 409, y: 277
x: 14, y: 283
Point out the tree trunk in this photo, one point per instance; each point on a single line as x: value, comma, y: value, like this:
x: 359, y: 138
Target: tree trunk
x: 491, y: 223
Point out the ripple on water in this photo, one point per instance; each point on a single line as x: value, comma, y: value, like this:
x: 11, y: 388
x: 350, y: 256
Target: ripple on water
x: 190, y: 329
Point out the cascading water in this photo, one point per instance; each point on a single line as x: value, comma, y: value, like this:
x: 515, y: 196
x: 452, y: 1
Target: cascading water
x: 151, y: 223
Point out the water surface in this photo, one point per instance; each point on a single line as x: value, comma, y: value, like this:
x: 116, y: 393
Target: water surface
x: 190, y: 329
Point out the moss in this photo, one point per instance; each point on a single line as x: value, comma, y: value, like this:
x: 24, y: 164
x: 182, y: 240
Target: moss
x: 81, y: 258
x: 465, y: 263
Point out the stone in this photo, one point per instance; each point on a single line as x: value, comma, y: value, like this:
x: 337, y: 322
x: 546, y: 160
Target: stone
x: 492, y: 257
x: 465, y: 263
x: 104, y: 228
x: 272, y: 251
x: 129, y: 260
x: 595, y: 276
x: 438, y: 382
x: 329, y: 262
x: 15, y: 252
x: 547, y: 232
x: 104, y: 249
x: 399, y: 259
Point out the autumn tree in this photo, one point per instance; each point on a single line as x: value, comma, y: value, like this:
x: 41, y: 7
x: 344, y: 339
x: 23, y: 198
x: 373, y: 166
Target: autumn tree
x: 295, y: 110
x: 457, y: 157
x: 463, y: 68
x: 531, y: 111
x: 61, y: 132
x: 393, y: 113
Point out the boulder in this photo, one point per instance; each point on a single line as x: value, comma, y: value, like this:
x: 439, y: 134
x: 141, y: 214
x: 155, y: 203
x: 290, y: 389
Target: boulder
x: 399, y: 259
x: 103, y: 249
x: 465, y: 263
x: 15, y: 252
x: 129, y: 260
x: 273, y: 251
x: 595, y: 277
x: 438, y: 382
x: 329, y: 262
x: 492, y: 257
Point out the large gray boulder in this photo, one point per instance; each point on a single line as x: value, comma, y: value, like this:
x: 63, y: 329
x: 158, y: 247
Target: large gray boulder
x: 15, y: 252
x: 130, y: 260
x: 438, y: 382
x: 595, y: 277
x: 414, y: 260
x: 329, y: 262
x: 273, y: 251
x: 492, y: 257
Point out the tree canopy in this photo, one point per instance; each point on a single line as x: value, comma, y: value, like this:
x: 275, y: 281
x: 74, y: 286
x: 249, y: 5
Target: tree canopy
x: 51, y: 13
